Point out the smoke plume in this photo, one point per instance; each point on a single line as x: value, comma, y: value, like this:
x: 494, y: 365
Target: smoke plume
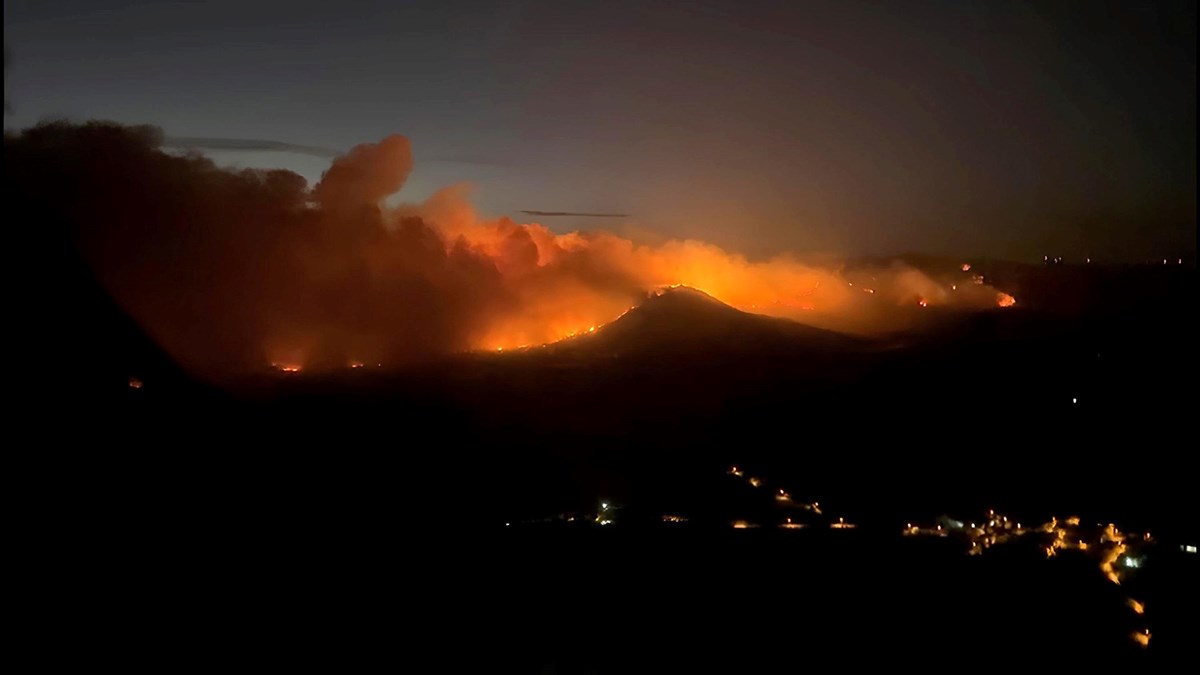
x: 230, y: 270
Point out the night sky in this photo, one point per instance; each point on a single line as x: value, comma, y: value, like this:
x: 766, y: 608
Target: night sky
x: 975, y: 128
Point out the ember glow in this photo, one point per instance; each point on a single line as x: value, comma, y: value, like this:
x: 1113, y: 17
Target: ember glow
x: 317, y: 278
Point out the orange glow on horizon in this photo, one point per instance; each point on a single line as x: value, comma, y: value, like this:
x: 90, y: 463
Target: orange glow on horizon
x: 574, y: 284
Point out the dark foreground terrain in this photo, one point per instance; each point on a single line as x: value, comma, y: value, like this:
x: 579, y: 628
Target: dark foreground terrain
x: 324, y: 513
x: 608, y: 601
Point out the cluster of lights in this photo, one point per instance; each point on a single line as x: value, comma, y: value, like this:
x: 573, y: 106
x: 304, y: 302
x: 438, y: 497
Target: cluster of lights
x: 1110, y: 545
x: 291, y: 368
x: 781, y: 495
x: 1058, y: 260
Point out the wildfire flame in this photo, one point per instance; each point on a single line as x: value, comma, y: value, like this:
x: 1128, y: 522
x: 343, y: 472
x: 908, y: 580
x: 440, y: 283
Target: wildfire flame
x: 313, y: 278
x: 560, y: 286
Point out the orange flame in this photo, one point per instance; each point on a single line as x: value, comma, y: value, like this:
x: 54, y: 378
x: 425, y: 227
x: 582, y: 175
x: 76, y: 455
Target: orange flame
x: 537, y: 286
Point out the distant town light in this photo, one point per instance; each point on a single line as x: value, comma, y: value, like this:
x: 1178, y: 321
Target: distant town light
x: 1142, y: 638
x: 603, y: 506
x: 1130, y: 561
x: 1189, y: 548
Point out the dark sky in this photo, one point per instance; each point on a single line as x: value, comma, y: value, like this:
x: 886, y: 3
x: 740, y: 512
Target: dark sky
x: 980, y: 128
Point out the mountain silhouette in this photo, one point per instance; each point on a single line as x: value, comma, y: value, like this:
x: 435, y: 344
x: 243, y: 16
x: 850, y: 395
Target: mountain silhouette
x: 683, y: 320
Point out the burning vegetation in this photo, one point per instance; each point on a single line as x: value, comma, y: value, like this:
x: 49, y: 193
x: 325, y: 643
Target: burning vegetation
x: 230, y: 269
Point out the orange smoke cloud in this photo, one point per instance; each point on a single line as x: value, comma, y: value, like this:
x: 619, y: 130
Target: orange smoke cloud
x: 232, y: 270
x: 565, y: 284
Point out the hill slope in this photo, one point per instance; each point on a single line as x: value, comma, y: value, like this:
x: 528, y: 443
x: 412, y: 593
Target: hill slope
x: 683, y: 320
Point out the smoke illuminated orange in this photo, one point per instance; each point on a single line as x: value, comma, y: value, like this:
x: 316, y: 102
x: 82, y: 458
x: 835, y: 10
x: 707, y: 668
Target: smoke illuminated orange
x: 326, y: 277
x: 574, y: 283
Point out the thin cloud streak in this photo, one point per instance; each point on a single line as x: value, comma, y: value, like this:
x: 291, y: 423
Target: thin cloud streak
x: 247, y: 144
x: 573, y: 213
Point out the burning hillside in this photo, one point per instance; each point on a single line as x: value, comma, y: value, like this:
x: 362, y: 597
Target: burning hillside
x: 232, y: 269
x: 684, y: 320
